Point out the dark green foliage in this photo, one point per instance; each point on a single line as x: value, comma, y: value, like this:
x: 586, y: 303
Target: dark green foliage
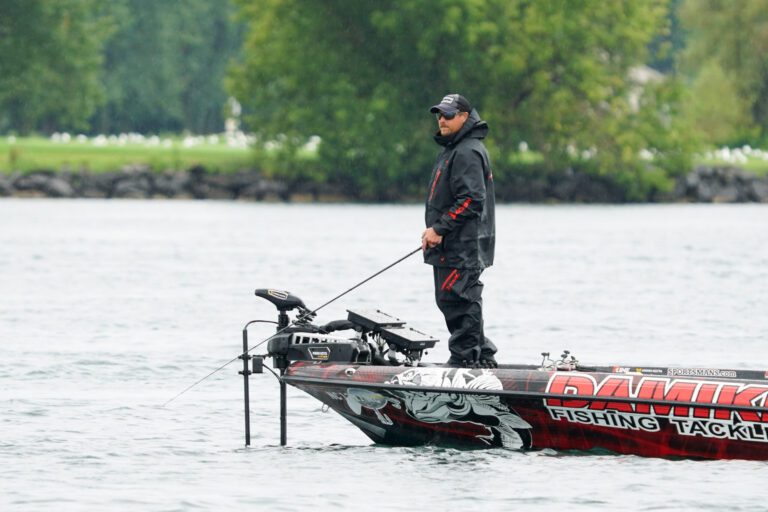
x: 50, y: 57
x: 728, y: 42
x: 361, y: 76
x: 669, y: 42
x: 148, y: 65
x: 164, y: 66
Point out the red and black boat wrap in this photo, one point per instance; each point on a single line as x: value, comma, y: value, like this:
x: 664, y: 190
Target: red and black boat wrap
x: 373, y: 376
x: 656, y: 412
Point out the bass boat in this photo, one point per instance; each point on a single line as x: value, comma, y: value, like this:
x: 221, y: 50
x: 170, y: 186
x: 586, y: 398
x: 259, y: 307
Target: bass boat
x: 368, y: 369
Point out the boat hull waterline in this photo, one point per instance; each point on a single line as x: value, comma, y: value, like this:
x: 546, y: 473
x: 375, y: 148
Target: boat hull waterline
x: 655, y: 412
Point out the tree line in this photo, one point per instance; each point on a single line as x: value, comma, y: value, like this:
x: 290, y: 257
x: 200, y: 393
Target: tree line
x: 146, y: 66
x: 337, y: 91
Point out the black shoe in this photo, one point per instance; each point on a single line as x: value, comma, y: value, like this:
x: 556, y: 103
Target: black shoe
x: 488, y: 362
x: 455, y: 362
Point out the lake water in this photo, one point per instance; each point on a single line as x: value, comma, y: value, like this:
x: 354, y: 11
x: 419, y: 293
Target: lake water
x: 110, y: 308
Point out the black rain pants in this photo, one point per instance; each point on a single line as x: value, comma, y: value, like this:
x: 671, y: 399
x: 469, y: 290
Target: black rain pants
x: 458, y: 293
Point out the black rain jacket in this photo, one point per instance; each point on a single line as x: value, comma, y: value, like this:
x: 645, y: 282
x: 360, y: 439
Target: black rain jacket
x: 460, y: 200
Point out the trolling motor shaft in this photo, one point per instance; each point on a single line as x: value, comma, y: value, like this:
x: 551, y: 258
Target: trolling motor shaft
x: 246, y: 395
x: 258, y: 368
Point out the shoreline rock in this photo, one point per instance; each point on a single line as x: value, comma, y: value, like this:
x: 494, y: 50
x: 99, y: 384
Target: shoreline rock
x: 714, y: 184
x: 140, y: 182
x: 704, y: 184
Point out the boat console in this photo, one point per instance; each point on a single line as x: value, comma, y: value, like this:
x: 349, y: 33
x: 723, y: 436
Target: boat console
x: 373, y: 336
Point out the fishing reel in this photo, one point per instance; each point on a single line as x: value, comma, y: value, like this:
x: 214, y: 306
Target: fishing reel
x: 567, y: 362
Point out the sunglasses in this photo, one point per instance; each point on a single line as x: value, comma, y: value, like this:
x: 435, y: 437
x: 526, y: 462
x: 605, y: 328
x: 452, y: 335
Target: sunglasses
x: 448, y: 117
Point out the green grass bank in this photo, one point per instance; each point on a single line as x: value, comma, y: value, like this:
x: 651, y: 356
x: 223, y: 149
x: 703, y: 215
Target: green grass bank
x: 101, y: 154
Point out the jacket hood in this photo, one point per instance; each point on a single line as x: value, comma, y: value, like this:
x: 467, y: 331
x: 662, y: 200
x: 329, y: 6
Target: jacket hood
x: 474, y: 128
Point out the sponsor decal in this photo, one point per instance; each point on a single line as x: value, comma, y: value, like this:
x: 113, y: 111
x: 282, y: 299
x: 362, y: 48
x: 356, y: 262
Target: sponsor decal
x: 627, y: 369
x: 320, y: 353
x: 279, y: 294
x: 700, y: 372
x: 689, y: 420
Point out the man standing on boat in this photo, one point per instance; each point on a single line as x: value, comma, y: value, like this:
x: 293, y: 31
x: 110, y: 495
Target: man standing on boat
x: 460, y: 236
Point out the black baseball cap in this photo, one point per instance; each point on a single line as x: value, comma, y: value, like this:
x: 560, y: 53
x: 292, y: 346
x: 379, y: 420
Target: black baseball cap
x: 451, y: 104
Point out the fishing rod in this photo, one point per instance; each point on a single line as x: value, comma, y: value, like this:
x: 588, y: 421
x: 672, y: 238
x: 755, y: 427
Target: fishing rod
x: 299, y: 318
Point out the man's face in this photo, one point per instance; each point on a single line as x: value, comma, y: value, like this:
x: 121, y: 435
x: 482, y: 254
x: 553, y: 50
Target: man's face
x: 450, y: 126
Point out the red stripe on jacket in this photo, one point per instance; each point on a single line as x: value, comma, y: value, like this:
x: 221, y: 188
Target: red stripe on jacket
x: 460, y: 208
x: 445, y: 283
x: 437, y: 177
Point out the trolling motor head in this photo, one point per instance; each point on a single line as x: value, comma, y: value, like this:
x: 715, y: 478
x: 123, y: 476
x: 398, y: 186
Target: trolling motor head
x: 284, y: 302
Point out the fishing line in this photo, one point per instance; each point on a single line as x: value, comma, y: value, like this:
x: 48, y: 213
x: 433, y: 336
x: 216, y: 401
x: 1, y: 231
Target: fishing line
x: 303, y: 316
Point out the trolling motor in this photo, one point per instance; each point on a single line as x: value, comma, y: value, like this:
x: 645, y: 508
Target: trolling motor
x: 285, y: 302
x: 301, y: 340
x: 376, y: 337
x: 373, y: 338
